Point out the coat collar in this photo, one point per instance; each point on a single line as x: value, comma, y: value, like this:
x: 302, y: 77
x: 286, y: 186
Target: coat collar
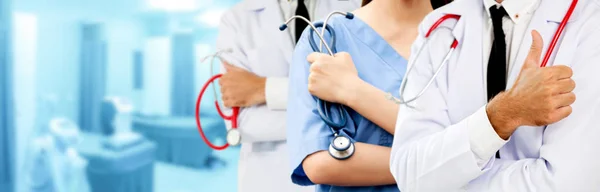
x: 471, y: 11
x: 548, y: 10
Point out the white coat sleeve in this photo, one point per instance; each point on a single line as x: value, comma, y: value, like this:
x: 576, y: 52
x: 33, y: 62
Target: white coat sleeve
x: 256, y: 123
x: 276, y: 93
x: 430, y: 153
x: 569, y: 154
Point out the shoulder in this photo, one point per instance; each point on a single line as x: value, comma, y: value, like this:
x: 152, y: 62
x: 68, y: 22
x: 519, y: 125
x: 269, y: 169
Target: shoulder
x: 242, y: 10
x: 233, y: 12
x: 438, y: 13
x: 336, y: 24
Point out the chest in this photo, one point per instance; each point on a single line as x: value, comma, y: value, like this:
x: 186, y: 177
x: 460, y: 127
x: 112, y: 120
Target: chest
x: 267, y: 50
x: 464, y: 80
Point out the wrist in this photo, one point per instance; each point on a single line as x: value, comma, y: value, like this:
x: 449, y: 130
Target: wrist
x: 502, y: 118
x: 351, y: 92
x: 260, y: 93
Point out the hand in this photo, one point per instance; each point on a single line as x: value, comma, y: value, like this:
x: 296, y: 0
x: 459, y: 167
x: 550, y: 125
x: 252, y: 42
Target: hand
x: 240, y: 88
x: 540, y: 96
x: 332, y: 78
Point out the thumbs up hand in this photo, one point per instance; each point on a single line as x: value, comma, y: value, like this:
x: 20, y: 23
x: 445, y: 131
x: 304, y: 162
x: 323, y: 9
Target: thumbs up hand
x: 540, y: 95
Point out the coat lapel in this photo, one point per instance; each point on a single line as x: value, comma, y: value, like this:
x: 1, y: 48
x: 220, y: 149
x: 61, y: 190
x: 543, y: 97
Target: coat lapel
x: 271, y: 18
x: 465, y: 69
x: 468, y: 32
x: 545, y: 20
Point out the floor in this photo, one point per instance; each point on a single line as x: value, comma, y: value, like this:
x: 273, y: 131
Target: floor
x: 222, y: 177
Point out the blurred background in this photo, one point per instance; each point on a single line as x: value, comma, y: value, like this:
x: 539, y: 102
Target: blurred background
x: 99, y: 95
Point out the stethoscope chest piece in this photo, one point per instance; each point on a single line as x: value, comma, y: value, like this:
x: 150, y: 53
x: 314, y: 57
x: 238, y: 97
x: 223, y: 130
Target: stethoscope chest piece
x: 233, y: 137
x: 341, y: 147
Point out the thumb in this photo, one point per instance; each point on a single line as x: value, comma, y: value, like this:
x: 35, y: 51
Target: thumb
x: 535, y: 52
x: 228, y: 66
x: 311, y: 58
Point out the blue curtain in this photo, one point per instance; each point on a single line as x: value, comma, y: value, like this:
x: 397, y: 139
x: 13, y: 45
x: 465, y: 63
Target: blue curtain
x: 92, y: 76
x: 138, y: 70
x: 182, y: 76
x: 6, y: 104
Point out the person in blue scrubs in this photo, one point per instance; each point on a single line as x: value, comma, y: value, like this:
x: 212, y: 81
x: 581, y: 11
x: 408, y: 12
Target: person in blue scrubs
x: 371, y: 61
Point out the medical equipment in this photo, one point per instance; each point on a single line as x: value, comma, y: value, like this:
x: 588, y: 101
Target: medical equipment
x: 116, y: 124
x: 403, y: 100
x: 55, y: 164
x: 341, y: 147
x: 233, y: 137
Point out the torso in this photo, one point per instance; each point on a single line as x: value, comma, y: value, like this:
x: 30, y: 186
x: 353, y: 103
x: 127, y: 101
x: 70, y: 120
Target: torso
x: 378, y: 64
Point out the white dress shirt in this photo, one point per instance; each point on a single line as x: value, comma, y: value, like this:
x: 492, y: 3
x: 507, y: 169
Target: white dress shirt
x: 288, y: 8
x: 276, y: 88
x: 483, y: 139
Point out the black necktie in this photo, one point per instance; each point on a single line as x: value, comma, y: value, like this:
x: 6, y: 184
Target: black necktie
x: 300, y: 25
x: 496, y: 72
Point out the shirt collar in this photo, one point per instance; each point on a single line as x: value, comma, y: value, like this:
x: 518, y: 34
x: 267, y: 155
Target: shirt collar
x: 514, y: 8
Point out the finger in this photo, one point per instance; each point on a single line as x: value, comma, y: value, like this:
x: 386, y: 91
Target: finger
x: 535, y: 52
x: 564, y: 86
x: 564, y: 100
x: 342, y: 54
x: 311, y: 58
x: 227, y: 104
x: 560, y: 114
x: 240, y: 104
x: 561, y: 72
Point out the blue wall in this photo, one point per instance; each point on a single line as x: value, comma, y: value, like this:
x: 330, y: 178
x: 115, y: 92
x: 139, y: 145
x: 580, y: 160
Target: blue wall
x: 6, y: 100
x: 182, y: 78
x: 88, y: 49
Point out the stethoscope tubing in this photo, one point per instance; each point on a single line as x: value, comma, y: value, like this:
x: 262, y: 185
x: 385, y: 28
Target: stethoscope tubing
x: 324, y: 106
x: 235, y: 110
x: 405, y: 101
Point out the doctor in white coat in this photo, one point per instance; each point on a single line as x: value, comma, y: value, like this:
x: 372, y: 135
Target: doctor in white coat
x: 547, y: 138
x: 256, y: 79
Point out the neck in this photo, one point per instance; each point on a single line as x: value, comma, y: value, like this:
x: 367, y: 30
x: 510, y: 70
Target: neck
x: 403, y: 11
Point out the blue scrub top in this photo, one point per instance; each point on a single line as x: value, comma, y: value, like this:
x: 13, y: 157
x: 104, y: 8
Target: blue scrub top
x: 377, y: 63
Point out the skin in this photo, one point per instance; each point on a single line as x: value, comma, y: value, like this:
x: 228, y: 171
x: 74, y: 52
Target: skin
x: 540, y: 96
x: 241, y: 88
x: 335, y: 79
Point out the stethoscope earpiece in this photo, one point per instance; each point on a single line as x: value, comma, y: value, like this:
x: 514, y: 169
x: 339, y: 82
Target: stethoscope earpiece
x: 349, y: 15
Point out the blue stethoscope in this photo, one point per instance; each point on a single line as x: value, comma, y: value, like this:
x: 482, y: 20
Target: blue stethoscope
x: 341, y: 147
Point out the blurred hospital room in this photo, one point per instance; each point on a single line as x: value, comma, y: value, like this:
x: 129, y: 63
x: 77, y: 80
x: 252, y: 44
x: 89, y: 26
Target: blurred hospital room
x: 99, y: 96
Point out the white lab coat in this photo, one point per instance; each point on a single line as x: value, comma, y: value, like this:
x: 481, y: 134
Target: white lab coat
x: 251, y: 30
x: 431, y: 150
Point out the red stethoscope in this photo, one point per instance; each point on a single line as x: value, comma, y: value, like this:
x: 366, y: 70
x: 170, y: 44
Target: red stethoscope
x: 233, y: 137
x: 405, y: 101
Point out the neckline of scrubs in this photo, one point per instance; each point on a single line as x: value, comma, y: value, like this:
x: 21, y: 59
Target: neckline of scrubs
x: 366, y: 34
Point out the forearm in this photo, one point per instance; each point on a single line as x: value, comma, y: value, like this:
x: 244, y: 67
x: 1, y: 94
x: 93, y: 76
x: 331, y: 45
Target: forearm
x: 369, y: 166
x: 423, y: 152
x: 362, y: 99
